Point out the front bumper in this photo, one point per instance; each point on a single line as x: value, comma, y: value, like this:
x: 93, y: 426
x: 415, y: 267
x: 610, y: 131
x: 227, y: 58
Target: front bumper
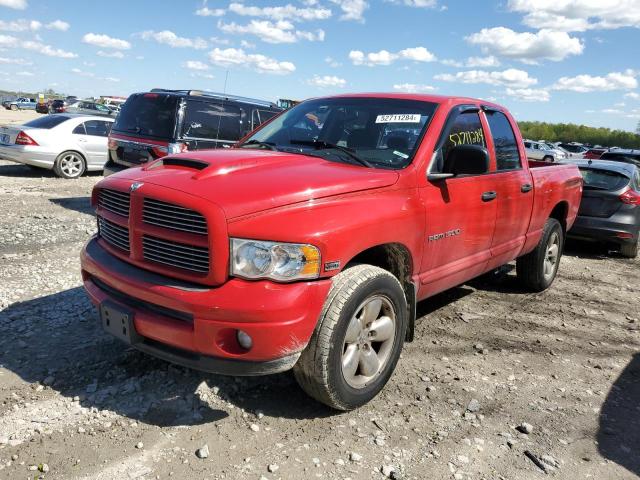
x: 28, y: 155
x: 195, y: 325
x: 616, y: 229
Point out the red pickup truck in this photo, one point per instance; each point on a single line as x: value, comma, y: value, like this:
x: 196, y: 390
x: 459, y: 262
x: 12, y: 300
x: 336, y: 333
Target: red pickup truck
x: 308, y: 244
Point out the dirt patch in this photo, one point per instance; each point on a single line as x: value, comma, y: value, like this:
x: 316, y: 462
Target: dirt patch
x: 487, y: 358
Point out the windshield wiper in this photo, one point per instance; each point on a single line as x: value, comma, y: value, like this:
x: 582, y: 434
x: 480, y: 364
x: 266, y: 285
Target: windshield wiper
x: 268, y: 145
x: 322, y: 145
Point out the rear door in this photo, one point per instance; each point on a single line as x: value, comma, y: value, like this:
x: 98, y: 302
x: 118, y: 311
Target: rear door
x: 97, y: 132
x: 212, y: 124
x: 460, y: 223
x: 514, y: 188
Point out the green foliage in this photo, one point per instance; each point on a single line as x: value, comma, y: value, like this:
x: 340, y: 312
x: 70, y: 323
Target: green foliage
x: 569, y: 132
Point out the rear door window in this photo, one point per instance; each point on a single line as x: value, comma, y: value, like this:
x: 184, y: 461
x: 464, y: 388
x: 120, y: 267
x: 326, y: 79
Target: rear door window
x: 49, y: 121
x: 79, y: 130
x: 504, y: 142
x: 596, y: 179
x: 97, y: 128
x: 212, y: 121
x: 149, y: 115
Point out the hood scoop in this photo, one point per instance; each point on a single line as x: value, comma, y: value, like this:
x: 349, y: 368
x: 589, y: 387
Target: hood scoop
x: 180, y: 162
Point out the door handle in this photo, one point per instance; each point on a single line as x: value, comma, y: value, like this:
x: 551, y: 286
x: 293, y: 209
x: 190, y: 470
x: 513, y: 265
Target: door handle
x: 527, y: 187
x: 488, y: 196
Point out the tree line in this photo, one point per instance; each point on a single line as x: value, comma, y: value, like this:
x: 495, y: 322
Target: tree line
x: 569, y: 132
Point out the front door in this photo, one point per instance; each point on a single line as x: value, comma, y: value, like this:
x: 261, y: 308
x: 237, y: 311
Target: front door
x: 460, y: 212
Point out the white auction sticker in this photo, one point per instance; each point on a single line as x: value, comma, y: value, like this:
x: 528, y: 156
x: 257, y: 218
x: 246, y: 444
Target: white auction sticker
x: 399, y: 118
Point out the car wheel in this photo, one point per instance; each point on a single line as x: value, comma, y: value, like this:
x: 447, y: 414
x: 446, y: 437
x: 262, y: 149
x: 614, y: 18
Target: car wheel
x: 629, y: 250
x: 357, y: 342
x: 548, y: 158
x: 14, y: 107
x: 69, y: 165
x: 537, y: 269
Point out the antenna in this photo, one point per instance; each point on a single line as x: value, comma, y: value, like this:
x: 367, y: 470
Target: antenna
x: 224, y: 92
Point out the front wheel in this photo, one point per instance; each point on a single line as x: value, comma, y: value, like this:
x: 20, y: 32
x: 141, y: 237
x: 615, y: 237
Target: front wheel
x: 69, y: 165
x: 14, y: 107
x: 537, y: 269
x: 548, y: 159
x: 358, y: 340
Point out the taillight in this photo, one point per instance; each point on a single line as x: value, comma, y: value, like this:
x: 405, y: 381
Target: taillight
x: 24, y: 139
x: 177, y: 147
x: 630, y: 197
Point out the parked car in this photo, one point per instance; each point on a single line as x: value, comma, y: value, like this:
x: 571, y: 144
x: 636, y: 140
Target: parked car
x: 6, y: 101
x: 622, y: 155
x: 89, y: 108
x: 42, y: 107
x: 69, y: 144
x: 57, y: 106
x: 22, y: 103
x: 542, y: 151
x: 610, y: 207
x: 594, y: 153
x: 153, y: 124
x: 308, y: 244
x: 574, y: 150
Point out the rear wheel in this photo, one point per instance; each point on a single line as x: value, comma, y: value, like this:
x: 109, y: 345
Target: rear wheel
x: 537, y: 269
x: 629, y: 250
x: 14, y: 107
x: 357, y: 343
x: 69, y: 165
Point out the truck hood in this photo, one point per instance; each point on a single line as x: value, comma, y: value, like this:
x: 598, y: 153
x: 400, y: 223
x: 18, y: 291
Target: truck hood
x: 243, y: 182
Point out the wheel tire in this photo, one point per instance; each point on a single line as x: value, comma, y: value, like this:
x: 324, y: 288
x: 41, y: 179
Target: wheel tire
x: 69, y: 165
x: 319, y: 370
x: 629, y: 250
x: 548, y: 158
x: 533, y: 269
x: 14, y: 107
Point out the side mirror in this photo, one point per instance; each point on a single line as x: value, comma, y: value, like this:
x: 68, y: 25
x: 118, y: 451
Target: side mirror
x: 467, y: 160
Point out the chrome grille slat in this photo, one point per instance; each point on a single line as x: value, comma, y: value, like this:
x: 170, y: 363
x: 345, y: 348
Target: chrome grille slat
x: 114, y: 234
x: 174, y: 217
x: 114, y: 201
x: 175, y: 254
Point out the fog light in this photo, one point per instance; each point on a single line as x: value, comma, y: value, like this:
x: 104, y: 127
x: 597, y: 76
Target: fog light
x: 244, y: 340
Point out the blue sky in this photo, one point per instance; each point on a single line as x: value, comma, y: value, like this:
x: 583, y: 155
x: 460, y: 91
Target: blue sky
x: 551, y: 60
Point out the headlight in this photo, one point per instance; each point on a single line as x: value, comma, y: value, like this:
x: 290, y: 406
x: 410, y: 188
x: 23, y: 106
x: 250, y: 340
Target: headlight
x: 277, y: 261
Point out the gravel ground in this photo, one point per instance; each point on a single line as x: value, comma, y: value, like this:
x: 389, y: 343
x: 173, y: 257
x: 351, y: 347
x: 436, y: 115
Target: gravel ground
x: 499, y: 384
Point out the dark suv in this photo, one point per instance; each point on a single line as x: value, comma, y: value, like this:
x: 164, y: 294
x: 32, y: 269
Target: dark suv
x: 160, y: 122
x: 622, y: 155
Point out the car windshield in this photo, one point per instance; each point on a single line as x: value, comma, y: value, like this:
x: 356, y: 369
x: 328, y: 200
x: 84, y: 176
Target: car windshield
x: 148, y: 114
x: 373, y: 132
x: 598, y: 179
x: 49, y: 121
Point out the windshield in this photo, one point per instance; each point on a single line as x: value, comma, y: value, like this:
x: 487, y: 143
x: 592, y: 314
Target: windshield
x: 377, y: 132
x: 148, y: 114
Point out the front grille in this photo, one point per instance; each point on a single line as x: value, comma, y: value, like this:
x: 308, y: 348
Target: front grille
x: 114, y: 234
x: 174, y: 254
x: 114, y: 201
x: 172, y: 216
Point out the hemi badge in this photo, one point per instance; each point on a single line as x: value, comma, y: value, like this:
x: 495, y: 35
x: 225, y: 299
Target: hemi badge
x: 335, y: 265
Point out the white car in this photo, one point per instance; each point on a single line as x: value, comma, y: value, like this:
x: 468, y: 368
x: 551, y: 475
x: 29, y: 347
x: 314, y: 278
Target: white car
x: 67, y: 143
x: 542, y: 151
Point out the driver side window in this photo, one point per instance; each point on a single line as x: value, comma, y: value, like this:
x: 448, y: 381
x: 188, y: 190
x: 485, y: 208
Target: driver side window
x: 465, y: 130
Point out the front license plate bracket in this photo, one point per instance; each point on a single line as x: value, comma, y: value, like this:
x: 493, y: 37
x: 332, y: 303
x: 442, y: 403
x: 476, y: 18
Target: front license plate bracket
x: 118, y: 321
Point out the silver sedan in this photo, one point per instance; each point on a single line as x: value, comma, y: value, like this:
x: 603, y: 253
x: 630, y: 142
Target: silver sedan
x: 68, y: 144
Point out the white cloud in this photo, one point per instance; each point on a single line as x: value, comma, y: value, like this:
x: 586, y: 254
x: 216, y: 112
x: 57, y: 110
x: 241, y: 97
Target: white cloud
x: 209, y: 12
x: 632, y: 95
x: 195, y: 65
x: 413, y: 88
x: 384, y: 57
x: 105, y: 41
x: 332, y: 62
x: 47, y: 50
x: 25, y: 74
x: 578, y: 15
x: 15, y: 61
x: 352, y: 9
x: 613, y: 111
x: 20, y: 25
x: 208, y: 76
x: 237, y: 57
x: 112, y: 79
x: 415, y: 3
x: 281, y: 31
x: 326, y: 81
x: 529, y: 94
x: 83, y: 73
x: 511, y: 78
x: 589, y: 83
x: 245, y: 44
x: 8, y: 41
x: 288, y: 12
x: 482, y: 62
x: 167, y: 37
x: 525, y: 46
x: 15, y: 4
x: 58, y: 25
x: 116, y: 54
